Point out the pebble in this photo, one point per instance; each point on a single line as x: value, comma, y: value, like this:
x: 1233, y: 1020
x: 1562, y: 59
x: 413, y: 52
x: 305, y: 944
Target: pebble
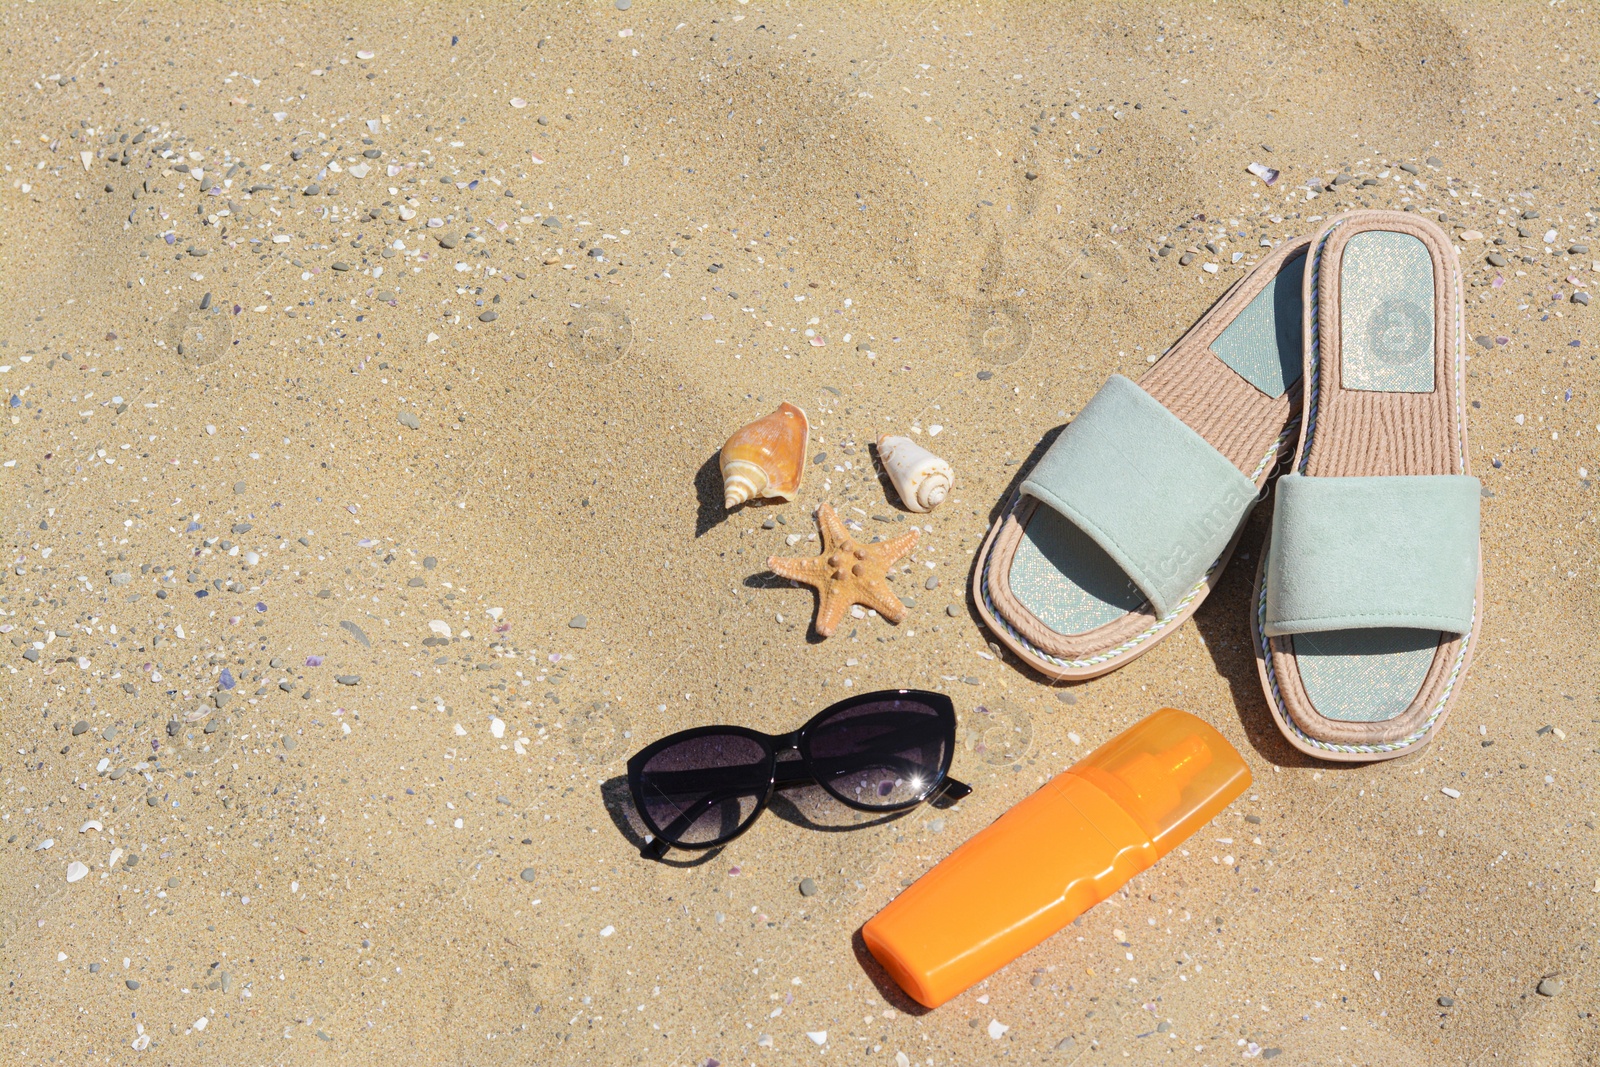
x: 488, y: 316
x: 527, y: 874
x: 808, y: 887
x: 1581, y: 298
x: 579, y: 622
x: 1549, y: 987
x: 132, y: 983
x: 1447, y: 1002
x: 931, y: 583
x: 410, y: 421
x: 951, y: 610
x: 1067, y: 698
x: 80, y: 727
x: 348, y: 679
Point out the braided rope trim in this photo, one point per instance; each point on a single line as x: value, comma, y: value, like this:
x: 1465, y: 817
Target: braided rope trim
x: 1263, y: 643
x: 1313, y: 391
x: 1160, y: 624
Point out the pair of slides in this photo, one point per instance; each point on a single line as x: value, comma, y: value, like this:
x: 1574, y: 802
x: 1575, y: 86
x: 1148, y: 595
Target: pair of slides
x: 1343, y: 351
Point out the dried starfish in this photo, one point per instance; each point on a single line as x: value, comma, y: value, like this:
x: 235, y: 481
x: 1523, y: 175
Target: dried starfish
x: 848, y: 572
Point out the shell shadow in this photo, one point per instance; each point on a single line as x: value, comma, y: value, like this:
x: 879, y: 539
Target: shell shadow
x: 708, y: 491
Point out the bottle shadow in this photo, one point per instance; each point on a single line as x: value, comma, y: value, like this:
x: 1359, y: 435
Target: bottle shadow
x: 887, y: 987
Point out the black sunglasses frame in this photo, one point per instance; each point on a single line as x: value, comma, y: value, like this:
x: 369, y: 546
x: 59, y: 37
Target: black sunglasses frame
x: 790, y: 774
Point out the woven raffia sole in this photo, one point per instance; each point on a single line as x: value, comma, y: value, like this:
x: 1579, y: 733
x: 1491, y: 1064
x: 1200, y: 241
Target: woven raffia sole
x: 1360, y: 425
x: 1254, y: 431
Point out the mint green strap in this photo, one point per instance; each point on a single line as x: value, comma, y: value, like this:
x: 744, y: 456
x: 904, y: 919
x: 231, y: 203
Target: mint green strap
x: 1360, y: 553
x: 1146, y: 488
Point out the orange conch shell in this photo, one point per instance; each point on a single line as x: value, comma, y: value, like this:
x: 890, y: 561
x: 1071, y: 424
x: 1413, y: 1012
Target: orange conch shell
x: 766, y: 458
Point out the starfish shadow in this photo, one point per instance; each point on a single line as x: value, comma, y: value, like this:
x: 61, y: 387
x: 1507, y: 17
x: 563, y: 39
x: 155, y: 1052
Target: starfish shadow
x: 769, y: 580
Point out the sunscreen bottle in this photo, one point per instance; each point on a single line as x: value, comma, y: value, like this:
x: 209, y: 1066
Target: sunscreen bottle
x: 1055, y: 855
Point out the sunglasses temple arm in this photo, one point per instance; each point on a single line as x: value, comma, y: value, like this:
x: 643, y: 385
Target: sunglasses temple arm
x: 952, y: 790
x: 659, y: 845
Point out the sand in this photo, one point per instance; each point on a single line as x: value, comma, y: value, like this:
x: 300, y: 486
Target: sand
x: 935, y: 221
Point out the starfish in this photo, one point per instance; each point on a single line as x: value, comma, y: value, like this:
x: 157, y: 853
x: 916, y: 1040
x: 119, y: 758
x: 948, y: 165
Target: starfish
x: 848, y: 572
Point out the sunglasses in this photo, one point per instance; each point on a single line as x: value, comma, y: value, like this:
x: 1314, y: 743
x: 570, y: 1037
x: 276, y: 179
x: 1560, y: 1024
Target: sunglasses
x: 884, y: 751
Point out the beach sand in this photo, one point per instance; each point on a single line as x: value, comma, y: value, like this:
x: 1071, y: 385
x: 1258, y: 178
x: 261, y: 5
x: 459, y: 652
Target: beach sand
x: 418, y: 436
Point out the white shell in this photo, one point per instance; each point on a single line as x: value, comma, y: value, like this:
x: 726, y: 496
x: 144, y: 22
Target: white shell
x: 922, y: 478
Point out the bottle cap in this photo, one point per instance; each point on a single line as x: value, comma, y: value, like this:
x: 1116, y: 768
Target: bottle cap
x: 1172, y: 772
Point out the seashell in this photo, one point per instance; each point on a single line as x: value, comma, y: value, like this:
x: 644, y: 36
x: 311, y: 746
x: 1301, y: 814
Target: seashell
x: 767, y: 458
x: 922, y: 478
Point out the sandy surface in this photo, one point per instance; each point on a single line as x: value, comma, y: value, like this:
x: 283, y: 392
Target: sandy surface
x: 963, y: 208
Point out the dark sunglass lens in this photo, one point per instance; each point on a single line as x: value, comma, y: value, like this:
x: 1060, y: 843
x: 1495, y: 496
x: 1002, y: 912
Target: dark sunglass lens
x: 705, y: 788
x: 885, y: 754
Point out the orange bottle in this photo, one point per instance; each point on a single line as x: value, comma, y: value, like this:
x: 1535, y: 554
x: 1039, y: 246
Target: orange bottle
x: 1057, y: 854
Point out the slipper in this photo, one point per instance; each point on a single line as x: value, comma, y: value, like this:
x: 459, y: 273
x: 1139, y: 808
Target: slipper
x: 1369, y: 590
x: 1121, y: 528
